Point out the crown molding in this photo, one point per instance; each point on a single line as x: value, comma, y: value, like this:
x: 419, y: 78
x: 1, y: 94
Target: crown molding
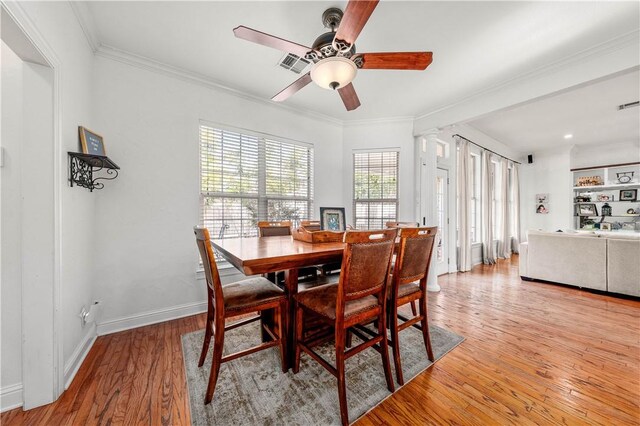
x: 87, y: 24
x: 606, y: 47
x: 148, y: 64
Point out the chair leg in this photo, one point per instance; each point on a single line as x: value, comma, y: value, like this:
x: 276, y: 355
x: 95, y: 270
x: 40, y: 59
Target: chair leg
x: 414, y: 311
x: 395, y: 341
x: 281, y: 309
x: 349, y: 340
x: 207, y: 339
x: 342, y: 383
x: 384, y: 346
x: 424, y: 322
x: 297, y: 337
x: 218, y: 342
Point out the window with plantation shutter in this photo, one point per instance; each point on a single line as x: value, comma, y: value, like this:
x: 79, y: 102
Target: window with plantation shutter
x: 375, y: 188
x: 246, y: 178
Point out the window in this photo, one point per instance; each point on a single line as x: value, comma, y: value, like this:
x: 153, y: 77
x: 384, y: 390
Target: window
x: 496, y: 218
x: 375, y: 188
x: 245, y: 178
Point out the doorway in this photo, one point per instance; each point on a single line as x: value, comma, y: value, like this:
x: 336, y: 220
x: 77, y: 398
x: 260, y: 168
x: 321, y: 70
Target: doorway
x: 442, y: 214
x: 29, y: 211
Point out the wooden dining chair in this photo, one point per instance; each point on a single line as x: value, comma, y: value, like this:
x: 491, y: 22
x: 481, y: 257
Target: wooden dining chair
x: 358, y: 298
x: 279, y: 229
x: 274, y: 229
x: 252, y: 295
x: 402, y: 224
x: 409, y: 284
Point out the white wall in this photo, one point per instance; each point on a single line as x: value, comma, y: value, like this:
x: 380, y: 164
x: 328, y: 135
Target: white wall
x: 549, y: 174
x: 145, y: 255
x: 11, y: 289
x: 605, y: 154
x: 376, y: 135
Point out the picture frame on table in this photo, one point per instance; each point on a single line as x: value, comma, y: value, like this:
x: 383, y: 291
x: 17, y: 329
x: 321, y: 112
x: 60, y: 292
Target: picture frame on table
x: 628, y: 194
x: 91, y: 142
x: 605, y: 226
x: 332, y: 219
x: 587, y: 209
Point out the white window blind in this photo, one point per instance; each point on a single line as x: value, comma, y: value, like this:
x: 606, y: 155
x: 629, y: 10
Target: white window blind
x: 375, y: 181
x: 248, y: 178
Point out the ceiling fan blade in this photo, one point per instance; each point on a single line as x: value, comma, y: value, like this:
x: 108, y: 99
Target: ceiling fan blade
x: 293, y: 88
x: 356, y: 15
x: 270, y: 41
x: 396, y: 60
x: 349, y: 97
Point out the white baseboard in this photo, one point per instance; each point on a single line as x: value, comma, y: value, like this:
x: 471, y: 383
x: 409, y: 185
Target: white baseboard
x: 151, y: 317
x: 72, y: 366
x: 10, y: 397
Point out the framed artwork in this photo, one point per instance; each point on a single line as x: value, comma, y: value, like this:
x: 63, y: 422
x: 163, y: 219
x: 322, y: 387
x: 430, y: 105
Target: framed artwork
x: 587, y: 210
x: 542, y: 209
x: 628, y: 194
x: 542, y: 198
x: 605, y: 226
x: 332, y: 219
x: 92, y: 143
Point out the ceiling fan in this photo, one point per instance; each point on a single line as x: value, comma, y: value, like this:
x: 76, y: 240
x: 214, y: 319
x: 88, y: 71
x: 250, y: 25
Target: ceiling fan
x: 334, y: 57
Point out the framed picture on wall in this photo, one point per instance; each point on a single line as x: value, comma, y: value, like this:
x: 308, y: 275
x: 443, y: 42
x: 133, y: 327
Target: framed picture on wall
x: 332, y: 219
x: 542, y: 209
x: 91, y: 142
x: 542, y: 198
x: 628, y: 194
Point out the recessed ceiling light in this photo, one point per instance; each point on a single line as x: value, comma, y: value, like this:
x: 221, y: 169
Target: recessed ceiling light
x: 568, y: 136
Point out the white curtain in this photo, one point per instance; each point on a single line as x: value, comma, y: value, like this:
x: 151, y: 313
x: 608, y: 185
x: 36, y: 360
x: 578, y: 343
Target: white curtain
x: 464, y: 205
x: 515, y: 207
x: 487, y: 185
x: 503, y: 228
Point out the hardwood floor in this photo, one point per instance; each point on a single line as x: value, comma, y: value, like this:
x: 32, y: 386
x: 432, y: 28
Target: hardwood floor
x: 534, y: 354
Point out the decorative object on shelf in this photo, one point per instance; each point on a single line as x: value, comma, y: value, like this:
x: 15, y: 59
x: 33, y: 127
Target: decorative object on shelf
x: 582, y: 199
x: 587, y: 210
x: 542, y: 209
x: 604, y: 197
x: 628, y: 194
x: 332, y: 219
x: 631, y: 211
x: 91, y: 142
x: 590, y: 181
x: 82, y: 168
x: 606, y: 210
x: 605, y: 226
x: 628, y: 226
x: 542, y: 198
x: 624, y: 177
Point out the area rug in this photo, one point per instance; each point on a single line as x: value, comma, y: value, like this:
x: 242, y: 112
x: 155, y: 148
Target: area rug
x: 252, y: 390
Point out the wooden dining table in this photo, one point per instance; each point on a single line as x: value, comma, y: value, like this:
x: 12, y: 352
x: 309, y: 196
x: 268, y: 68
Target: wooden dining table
x: 253, y: 256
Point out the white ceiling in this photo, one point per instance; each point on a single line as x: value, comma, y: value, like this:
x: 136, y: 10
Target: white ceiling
x: 475, y: 44
x: 589, y: 113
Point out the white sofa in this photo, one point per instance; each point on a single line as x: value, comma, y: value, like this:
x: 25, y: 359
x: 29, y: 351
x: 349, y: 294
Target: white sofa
x: 602, y: 261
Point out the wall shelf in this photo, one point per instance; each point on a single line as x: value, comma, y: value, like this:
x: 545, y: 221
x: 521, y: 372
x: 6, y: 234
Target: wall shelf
x: 82, y: 168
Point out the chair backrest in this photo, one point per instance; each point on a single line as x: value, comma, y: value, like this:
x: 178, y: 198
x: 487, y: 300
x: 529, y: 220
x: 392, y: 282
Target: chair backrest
x: 274, y: 229
x: 365, y: 265
x: 214, y: 285
x: 310, y: 225
x: 402, y: 224
x: 414, y: 255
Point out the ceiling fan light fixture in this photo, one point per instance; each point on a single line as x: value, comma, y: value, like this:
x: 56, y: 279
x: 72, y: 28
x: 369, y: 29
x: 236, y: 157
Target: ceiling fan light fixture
x: 334, y: 72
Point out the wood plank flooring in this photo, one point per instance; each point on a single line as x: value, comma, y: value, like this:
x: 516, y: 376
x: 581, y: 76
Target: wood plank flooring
x: 534, y: 354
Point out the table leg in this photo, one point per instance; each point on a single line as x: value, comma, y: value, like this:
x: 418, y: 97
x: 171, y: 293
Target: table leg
x: 291, y: 289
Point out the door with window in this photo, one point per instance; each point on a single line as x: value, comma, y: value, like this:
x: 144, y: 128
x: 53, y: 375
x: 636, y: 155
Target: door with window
x: 441, y: 250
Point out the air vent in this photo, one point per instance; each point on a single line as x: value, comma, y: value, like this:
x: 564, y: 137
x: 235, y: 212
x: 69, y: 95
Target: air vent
x: 629, y: 105
x: 293, y: 63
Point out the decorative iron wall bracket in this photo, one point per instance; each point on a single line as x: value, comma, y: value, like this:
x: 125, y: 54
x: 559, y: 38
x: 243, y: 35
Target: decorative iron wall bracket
x: 83, y: 167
